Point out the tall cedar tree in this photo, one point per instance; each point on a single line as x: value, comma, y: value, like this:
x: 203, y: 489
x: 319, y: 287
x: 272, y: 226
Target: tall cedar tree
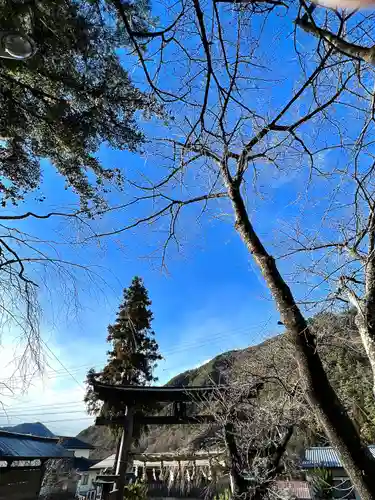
x: 69, y: 98
x: 134, y: 352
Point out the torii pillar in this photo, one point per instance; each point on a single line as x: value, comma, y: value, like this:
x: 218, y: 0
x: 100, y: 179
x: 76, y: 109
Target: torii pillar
x: 123, y: 456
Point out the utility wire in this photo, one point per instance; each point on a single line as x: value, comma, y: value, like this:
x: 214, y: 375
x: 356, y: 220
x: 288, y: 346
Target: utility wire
x: 14, y: 415
x: 183, y: 347
x: 27, y: 407
x: 186, y: 346
x: 65, y: 368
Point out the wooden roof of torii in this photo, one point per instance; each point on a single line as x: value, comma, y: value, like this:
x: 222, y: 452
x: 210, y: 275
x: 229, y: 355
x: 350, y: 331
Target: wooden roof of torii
x: 159, y: 420
x: 133, y: 395
x: 162, y: 394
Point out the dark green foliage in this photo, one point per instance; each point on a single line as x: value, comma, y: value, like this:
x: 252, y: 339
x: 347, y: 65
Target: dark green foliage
x: 322, y: 483
x: 224, y: 495
x: 136, y: 491
x: 348, y: 368
x: 69, y: 98
x: 215, y: 371
x: 134, y: 351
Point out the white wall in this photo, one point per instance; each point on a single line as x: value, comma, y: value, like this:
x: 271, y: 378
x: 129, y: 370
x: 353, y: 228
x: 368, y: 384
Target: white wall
x: 83, y: 488
x: 80, y: 453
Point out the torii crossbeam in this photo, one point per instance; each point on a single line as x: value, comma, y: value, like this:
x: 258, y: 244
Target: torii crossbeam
x: 132, y: 395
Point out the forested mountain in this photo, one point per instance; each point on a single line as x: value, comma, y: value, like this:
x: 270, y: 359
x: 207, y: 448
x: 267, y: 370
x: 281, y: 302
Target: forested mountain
x: 343, y: 355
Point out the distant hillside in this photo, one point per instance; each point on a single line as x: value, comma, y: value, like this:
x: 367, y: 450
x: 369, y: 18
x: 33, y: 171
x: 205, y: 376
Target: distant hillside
x: 36, y: 429
x: 102, y: 438
x: 342, y: 354
x: 218, y: 370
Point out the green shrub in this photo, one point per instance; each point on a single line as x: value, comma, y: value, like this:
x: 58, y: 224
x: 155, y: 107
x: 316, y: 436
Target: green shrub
x: 224, y: 495
x: 322, y: 483
x: 135, y: 491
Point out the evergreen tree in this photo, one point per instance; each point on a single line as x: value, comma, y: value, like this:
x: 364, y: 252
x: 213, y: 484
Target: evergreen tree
x: 69, y: 98
x: 134, y: 353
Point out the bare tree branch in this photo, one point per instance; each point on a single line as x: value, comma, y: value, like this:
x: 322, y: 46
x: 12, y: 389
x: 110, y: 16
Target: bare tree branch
x: 350, y: 49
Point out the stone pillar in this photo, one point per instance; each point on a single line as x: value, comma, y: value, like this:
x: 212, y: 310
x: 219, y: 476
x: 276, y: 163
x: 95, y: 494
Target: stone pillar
x: 144, y: 475
x: 161, y: 476
x: 193, y: 476
x: 171, y: 478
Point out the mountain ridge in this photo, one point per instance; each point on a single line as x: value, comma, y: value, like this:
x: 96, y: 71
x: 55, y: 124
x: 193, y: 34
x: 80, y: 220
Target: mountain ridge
x: 217, y: 371
x: 342, y: 354
x: 33, y: 428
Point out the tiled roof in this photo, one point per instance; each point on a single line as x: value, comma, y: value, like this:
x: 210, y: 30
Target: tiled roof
x: 325, y: 457
x: 107, y: 462
x: 298, y: 489
x: 83, y: 464
x: 73, y: 443
x: 27, y: 446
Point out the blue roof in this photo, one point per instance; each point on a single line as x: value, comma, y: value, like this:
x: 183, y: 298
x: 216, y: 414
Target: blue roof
x: 83, y: 464
x: 26, y: 446
x: 73, y: 443
x: 325, y: 457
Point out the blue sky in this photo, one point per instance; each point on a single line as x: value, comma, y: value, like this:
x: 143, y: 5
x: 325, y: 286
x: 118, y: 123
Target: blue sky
x: 210, y: 299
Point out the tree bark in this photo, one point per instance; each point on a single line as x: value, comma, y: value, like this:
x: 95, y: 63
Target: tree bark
x: 350, y: 49
x: 365, y: 306
x: 367, y: 334
x: 273, y: 466
x: 365, y: 318
x: 239, y: 485
x: 339, y: 428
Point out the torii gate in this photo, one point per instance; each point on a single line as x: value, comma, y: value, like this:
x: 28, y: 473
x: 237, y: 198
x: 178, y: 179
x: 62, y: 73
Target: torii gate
x: 132, y: 395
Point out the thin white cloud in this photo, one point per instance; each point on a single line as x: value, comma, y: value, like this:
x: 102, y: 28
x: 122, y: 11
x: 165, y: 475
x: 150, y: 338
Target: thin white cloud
x: 198, y: 365
x: 54, y: 397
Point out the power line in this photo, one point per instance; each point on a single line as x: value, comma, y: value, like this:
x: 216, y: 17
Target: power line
x: 59, y: 373
x: 183, y: 347
x: 14, y: 415
x: 215, y: 337
x: 67, y: 420
x: 44, y: 411
x: 186, y: 346
x: 64, y: 404
x: 56, y: 421
x: 50, y: 374
x: 65, y: 368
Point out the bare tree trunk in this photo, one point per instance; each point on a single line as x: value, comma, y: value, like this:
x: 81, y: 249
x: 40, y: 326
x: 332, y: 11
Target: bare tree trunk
x: 363, y: 300
x: 239, y: 488
x: 214, y: 136
x: 365, y: 304
x: 367, y: 332
x: 319, y: 392
x: 273, y: 466
x: 350, y: 49
x: 242, y: 487
x: 365, y: 319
